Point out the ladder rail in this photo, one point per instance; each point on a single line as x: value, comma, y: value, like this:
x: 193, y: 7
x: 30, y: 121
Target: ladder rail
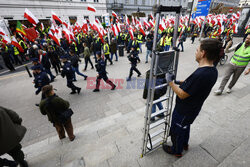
x: 152, y: 81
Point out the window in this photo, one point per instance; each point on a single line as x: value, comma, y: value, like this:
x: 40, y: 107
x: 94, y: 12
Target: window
x: 143, y: 2
x: 96, y: 0
x: 83, y: 0
x: 126, y: 1
x: 136, y: 2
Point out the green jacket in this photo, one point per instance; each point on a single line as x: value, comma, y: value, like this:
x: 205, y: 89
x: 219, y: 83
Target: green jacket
x: 86, y: 52
x: 56, y: 104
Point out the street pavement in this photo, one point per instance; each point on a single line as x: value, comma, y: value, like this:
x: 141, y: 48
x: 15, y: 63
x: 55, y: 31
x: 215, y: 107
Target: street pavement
x: 109, y: 125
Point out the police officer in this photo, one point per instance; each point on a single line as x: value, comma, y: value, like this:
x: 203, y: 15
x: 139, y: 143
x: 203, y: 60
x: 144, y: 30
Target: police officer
x: 106, y: 53
x: 69, y: 73
x: 41, y: 79
x: 133, y: 58
x: 102, y: 74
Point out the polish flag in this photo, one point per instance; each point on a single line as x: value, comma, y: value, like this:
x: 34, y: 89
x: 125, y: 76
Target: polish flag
x: 151, y: 23
x: 66, y: 33
x: 30, y: 17
x: 16, y: 44
x: 52, y: 36
x: 85, y: 26
x: 114, y: 14
x: 141, y: 30
x: 2, y: 31
x: 114, y: 29
x: 52, y: 29
x: 127, y: 20
x: 118, y: 25
x: 6, y: 39
x: 230, y: 10
x: 91, y: 8
x: 131, y: 33
x: 133, y: 20
x: 162, y: 25
x: 66, y: 25
x: 55, y: 17
x: 42, y: 27
x: 146, y: 23
x: 235, y: 27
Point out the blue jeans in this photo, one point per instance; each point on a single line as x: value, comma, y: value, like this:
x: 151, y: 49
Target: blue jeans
x: 180, y: 43
x: 179, y: 132
x: 76, y: 69
x: 167, y: 47
x: 148, y: 53
x: 140, y: 46
x: 115, y: 56
x: 159, y: 105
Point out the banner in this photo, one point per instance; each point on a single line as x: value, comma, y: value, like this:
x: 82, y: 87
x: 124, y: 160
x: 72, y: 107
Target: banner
x: 203, y: 8
x: 3, y: 25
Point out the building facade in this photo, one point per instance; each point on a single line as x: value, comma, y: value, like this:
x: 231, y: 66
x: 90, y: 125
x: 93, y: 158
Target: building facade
x: 77, y: 9
x: 244, y: 3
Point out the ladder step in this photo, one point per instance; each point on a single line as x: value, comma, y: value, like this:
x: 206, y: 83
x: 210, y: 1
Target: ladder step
x: 160, y: 100
x: 157, y: 133
x: 158, y: 112
x: 155, y: 142
x: 157, y: 123
x: 160, y: 86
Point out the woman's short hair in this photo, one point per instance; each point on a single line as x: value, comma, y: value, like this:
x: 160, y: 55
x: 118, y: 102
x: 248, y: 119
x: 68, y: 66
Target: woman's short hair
x: 212, y: 48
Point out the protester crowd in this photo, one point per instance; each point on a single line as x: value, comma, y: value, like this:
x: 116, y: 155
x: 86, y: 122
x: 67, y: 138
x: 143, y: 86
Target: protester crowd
x: 64, y: 47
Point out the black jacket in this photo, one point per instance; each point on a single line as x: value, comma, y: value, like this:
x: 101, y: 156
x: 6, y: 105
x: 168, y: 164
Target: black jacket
x: 74, y: 60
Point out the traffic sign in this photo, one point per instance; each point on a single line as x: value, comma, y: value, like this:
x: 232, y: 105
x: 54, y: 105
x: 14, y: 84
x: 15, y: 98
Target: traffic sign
x: 203, y: 7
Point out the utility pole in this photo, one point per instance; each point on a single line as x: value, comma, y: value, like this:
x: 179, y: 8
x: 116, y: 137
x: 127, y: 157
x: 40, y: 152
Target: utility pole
x: 190, y: 14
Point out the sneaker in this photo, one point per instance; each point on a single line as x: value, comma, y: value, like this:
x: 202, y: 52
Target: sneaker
x: 146, y: 62
x: 96, y: 90
x: 37, y: 105
x: 168, y: 150
x: 218, y: 92
x: 138, y: 75
x: 85, y: 78
x: 79, y: 90
x: 72, y: 139
x: 113, y: 87
x: 229, y: 90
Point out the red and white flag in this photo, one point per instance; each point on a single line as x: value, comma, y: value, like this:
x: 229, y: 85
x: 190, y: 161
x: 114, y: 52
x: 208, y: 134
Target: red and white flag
x: 151, y: 23
x: 16, y: 44
x: 91, y: 8
x: 127, y: 20
x: 118, y: 27
x: 52, y: 36
x: 114, y: 29
x: 230, y: 10
x: 235, y: 28
x: 30, y: 17
x: 6, y: 39
x: 55, y: 17
x: 52, y: 29
x: 131, y: 33
x: 114, y: 14
x: 133, y: 20
x: 42, y: 27
x: 162, y: 25
x: 2, y: 31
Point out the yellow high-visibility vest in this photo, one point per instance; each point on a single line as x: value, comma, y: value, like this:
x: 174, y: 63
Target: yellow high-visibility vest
x: 168, y: 41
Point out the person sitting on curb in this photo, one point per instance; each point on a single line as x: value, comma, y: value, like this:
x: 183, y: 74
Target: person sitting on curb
x: 237, y: 65
x: 191, y: 95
